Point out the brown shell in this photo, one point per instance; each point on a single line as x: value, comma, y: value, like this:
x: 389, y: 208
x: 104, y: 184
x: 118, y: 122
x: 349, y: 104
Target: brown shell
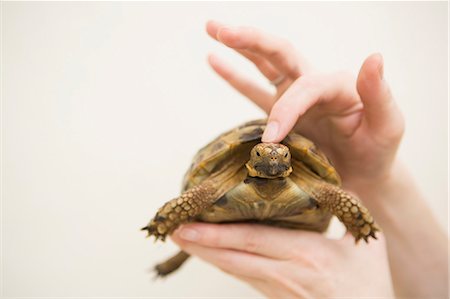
x: 211, y: 157
x: 239, y: 141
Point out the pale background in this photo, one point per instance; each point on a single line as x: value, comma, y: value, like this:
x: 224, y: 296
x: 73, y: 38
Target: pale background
x: 104, y: 104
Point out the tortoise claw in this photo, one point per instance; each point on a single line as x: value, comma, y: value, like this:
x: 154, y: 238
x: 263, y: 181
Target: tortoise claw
x: 366, y: 238
x: 146, y: 228
x: 152, y: 231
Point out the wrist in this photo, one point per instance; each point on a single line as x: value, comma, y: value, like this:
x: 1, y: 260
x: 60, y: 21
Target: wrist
x: 412, y: 234
x: 397, y: 204
x: 376, y: 190
x: 393, y: 197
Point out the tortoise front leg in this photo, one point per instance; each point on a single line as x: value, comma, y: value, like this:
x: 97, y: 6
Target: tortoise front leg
x: 181, y: 210
x: 349, y: 211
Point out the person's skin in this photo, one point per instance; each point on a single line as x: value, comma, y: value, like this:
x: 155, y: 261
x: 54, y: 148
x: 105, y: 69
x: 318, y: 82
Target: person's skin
x: 283, y: 263
x: 357, y: 123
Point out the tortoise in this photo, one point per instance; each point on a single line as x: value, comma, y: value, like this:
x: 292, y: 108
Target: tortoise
x: 236, y: 178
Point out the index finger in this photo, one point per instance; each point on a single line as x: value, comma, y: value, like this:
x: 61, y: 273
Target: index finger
x: 279, y: 52
x: 335, y: 91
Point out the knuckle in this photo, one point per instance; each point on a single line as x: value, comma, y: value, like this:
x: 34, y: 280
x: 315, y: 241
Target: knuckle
x: 224, y: 260
x: 245, y: 85
x: 258, y: 60
x: 229, y: 76
x: 212, y: 239
x: 396, y: 134
x: 286, y: 56
x: 229, y: 262
x: 276, y: 54
x: 281, y: 108
x: 277, y: 49
x: 252, y: 242
x: 309, y: 86
x: 308, y: 83
x: 283, y: 49
x: 392, y: 132
x: 227, y: 265
x: 314, y: 261
x: 275, y: 275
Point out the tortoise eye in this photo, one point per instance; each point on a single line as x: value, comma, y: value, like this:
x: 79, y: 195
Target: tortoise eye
x: 286, y: 155
x: 258, y: 154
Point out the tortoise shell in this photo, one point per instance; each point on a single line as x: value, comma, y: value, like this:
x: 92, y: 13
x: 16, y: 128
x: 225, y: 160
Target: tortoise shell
x: 239, y: 141
x: 220, y: 187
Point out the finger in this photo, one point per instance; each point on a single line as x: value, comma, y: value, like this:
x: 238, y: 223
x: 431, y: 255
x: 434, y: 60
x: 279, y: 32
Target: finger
x: 266, y: 68
x: 257, y: 239
x: 272, y: 270
x: 280, y: 53
x: 233, y: 262
x: 260, y: 96
x: 380, y: 110
x: 296, y: 100
x: 335, y: 91
x: 212, y: 27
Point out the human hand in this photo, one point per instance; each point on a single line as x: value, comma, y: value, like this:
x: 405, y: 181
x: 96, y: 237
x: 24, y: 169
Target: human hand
x: 354, y: 120
x: 284, y: 263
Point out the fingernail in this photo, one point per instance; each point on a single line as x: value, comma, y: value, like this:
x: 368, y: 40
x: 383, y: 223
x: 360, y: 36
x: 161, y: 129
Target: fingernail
x: 189, y: 234
x: 271, y: 132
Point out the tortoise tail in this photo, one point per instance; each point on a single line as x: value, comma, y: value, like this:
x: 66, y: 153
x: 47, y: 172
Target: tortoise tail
x: 172, y: 264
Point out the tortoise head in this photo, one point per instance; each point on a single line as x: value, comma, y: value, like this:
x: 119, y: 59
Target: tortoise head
x: 269, y: 160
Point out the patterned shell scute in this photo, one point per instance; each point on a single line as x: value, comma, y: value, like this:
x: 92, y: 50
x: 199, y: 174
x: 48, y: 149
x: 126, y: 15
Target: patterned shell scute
x: 306, y: 152
x: 242, y: 138
x: 209, y: 158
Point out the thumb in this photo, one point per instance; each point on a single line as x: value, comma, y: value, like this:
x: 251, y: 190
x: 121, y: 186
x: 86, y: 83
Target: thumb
x: 380, y: 111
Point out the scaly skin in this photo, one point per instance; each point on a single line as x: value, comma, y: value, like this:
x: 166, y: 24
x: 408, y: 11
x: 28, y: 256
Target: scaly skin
x: 269, y: 163
x: 181, y: 210
x: 349, y: 211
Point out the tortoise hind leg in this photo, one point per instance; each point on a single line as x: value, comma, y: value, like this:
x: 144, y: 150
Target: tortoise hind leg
x: 349, y: 211
x: 171, y: 264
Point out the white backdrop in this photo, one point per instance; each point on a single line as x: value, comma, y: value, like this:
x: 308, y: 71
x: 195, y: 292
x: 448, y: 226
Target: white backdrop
x: 104, y: 104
